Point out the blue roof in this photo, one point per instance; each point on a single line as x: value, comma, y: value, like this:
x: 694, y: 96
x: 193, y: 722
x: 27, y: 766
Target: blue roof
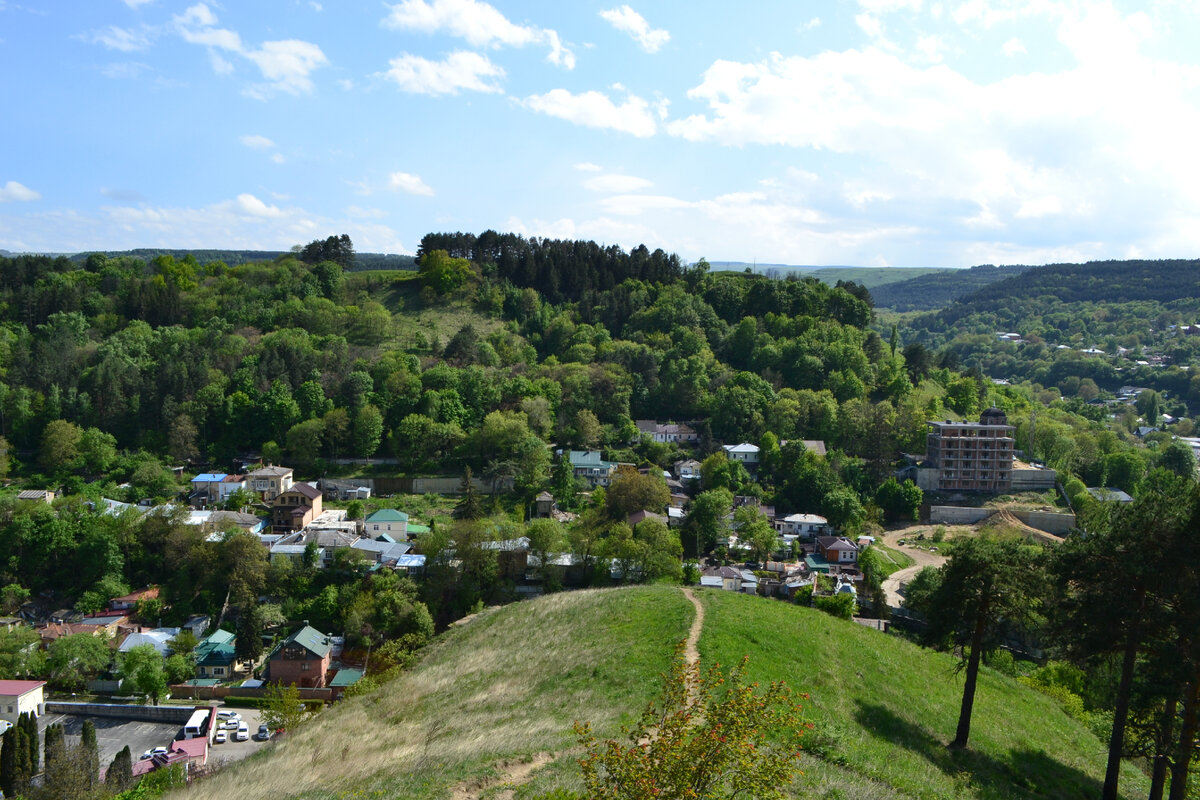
x: 209, y: 477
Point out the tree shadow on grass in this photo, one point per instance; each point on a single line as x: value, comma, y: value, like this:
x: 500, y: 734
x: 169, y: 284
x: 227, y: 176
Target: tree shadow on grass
x: 1025, y: 773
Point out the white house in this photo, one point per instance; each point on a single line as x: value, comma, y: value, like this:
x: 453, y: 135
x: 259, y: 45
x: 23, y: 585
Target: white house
x: 805, y: 525
x: 745, y: 452
x: 387, y: 521
x: 20, y: 697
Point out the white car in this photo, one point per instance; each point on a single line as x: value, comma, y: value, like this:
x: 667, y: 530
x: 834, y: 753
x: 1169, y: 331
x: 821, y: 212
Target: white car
x: 158, y: 751
x: 220, y: 738
x: 243, y: 733
x: 232, y: 724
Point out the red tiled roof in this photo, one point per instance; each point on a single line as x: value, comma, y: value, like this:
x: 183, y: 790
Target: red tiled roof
x: 17, y: 688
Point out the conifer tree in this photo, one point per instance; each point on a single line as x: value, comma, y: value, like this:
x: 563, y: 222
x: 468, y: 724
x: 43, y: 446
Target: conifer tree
x: 120, y: 772
x: 91, y: 753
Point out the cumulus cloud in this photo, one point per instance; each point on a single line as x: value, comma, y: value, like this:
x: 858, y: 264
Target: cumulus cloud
x: 586, y: 166
x: 256, y: 142
x: 286, y: 65
x: 1013, y: 47
x: 249, y: 204
x: 626, y: 20
x: 409, y: 184
x: 126, y: 40
x: 617, y: 184
x: 461, y: 70
x: 13, y: 192
x: 480, y: 24
x: 597, y: 110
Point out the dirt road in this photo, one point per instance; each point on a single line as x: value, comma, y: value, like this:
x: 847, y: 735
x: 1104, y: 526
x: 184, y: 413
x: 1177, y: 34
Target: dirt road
x: 923, y: 558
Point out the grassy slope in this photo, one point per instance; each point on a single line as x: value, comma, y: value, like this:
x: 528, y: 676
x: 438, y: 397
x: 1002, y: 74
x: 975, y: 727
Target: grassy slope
x: 883, y: 710
x: 508, y: 685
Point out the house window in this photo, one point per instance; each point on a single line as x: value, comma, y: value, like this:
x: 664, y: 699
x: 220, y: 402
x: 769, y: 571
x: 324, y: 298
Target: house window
x: 376, y: 527
x: 304, y: 667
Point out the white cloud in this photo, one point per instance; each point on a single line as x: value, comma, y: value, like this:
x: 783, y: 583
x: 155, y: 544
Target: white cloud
x: 409, y: 184
x: 359, y: 212
x: 1036, y: 207
x: 930, y: 48
x: 1013, y: 47
x: 123, y: 70
x: 13, y: 192
x: 256, y: 142
x: 122, y: 39
x: 626, y: 20
x: 137, y: 3
x: 249, y: 204
x: 889, y: 6
x: 586, y: 166
x: 815, y: 22
x: 480, y: 24
x: 461, y: 70
x: 617, y: 184
x: 596, y: 110
x: 286, y: 65
x: 278, y: 158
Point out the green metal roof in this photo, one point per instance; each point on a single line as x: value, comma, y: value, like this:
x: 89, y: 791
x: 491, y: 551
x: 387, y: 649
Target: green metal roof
x: 388, y: 515
x: 346, y: 677
x: 311, y: 640
x: 414, y: 527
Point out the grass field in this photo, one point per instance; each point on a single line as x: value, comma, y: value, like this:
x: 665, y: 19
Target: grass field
x: 504, y: 689
x: 883, y: 710
x: 506, y: 685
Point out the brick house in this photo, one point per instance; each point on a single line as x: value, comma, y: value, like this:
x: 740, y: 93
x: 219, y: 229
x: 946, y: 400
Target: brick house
x: 295, y: 508
x: 303, y: 659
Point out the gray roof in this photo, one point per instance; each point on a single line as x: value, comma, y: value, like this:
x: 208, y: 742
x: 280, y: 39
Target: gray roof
x: 311, y: 640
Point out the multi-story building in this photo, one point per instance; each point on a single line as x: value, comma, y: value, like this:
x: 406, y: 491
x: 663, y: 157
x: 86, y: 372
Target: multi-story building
x: 972, y: 456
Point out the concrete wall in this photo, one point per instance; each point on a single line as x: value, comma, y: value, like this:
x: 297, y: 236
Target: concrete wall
x: 1048, y: 521
x: 957, y: 515
x: 1028, y: 480
x: 433, y: 484
x: 181, y: 691
x: 167, y: 714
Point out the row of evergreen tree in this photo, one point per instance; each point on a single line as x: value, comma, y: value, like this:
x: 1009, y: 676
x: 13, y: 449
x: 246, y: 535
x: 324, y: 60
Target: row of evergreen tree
x: 71, y: 771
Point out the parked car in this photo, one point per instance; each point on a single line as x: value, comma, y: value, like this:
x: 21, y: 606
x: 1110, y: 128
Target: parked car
x: 220, y: 738
x: 243, y: 733
x: 157, y: 751
x: 263, y: 734
x: 232, y: 724
x: 226, y: 714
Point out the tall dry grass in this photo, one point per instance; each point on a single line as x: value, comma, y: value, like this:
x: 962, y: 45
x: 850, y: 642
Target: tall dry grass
x: 506, y: 685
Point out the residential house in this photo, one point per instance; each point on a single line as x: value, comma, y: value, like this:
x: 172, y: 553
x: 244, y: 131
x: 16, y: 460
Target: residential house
x: 1109, y: 494
x: 640, y: 516
x: 126, y: 602
x: 591, y: 467
x: 106, y: 625
x: 302, y: 659
x: 688, y: 469
x: 295, y: 508
x: 198, y: 624
x: 216, y: 657
x: 229, y: 485
x: 270, y: 481
x: 343, y: 490
x: 543, y: 504
x: 222, y: 520
x: 805, y: 526
x: 745, y: 452
x: 669, y: 432
x: 294, y: 553
x: 384, y: 553
x: 814, y: 446
x: 727, y: 578
x: 37, y: 495
x: 206, y: 487
x: 387, y: 521
x: 20, y: 697
x: 158, y: 638
x: 837, y: 549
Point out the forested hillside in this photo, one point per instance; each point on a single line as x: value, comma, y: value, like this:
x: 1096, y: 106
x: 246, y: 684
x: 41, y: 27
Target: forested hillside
x: 937, y: 290
x: 1111, y: 324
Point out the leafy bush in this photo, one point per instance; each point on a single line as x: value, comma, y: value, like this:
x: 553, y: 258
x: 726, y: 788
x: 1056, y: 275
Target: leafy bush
x: 839, y: 605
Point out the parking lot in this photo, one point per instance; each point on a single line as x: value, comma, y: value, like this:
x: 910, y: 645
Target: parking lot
x: 113, y: 734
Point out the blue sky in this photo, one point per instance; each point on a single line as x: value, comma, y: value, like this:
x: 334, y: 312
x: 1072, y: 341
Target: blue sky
x: 861, y: 132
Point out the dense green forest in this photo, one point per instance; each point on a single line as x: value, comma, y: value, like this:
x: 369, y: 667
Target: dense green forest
x: 936, y: 290
x: 1085, y: 330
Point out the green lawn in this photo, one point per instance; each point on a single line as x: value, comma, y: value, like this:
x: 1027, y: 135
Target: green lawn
x: 883, y: 710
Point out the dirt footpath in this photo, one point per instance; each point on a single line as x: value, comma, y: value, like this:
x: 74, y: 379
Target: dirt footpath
x: 923, y: 558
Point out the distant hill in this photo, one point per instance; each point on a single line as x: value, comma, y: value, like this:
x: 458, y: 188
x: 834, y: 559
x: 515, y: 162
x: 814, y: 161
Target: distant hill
x: 869, y: 277
x: 363, y: 261
x: 503, y: 689
x: 937, y: 290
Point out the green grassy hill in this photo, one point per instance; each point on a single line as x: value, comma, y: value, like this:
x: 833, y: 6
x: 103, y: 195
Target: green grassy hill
x: 504, y: 688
